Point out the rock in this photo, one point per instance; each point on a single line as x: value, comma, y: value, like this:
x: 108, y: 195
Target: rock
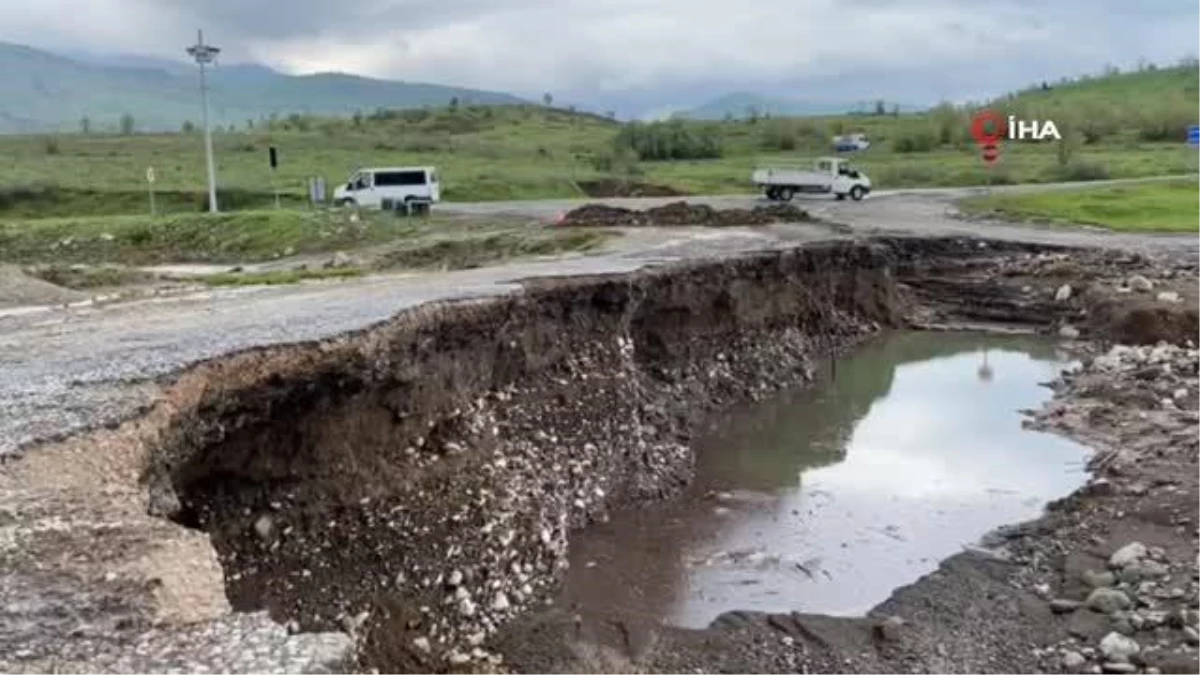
x: 1148, y: 569
x: 466, y: 607
x: 1180, y: 394
x: 263, y: 526
x: 1128, y: 554
x: 1167, y: 296
x: 1068, y: 332
x: 1063, y: 605
x: 1072, y: 661
x: 1063, y: 294
x: 422, y: 644
x: 1099, y: 579
x: 1191, y: 635
x: 1140, y: 283
x: 1117, y: 648
x: 458, y: 658
x: 500, y: 602
x: 1107, y: 600
x: 1117, y: 667
x: 455, y: 579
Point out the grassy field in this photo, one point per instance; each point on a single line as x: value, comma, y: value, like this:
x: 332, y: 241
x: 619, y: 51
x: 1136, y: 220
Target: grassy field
x: 1148, y: 207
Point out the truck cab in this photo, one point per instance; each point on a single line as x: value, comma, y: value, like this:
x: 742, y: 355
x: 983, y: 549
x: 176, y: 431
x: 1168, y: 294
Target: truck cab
x: 368, y: 188
x: 828, y: 175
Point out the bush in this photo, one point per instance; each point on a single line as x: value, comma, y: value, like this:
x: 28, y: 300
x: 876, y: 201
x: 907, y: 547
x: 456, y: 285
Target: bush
x: 1083, y: 170
x: 51, y: 145
x: 919, y: 141
x: 671, y: 140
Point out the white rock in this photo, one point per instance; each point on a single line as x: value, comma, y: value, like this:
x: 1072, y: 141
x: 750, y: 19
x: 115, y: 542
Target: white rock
x: 1118, y: 648
x: 500, y: 602
x: 1128, y: 554
x: 456, y: 578
x: 421, y: 643
x: 1069, y: 332
x: 1140, y: 283
x: 1168, y: 296
x: 264, y: 525
x: 466, y: 607
x: 1180, y: 394
x: 1063, y: 294
x: 1073, y: 660
x: 1107, y: 600
x: 458, y: 658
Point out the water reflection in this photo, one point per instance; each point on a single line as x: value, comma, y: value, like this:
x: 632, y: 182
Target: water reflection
x: 827, y: 500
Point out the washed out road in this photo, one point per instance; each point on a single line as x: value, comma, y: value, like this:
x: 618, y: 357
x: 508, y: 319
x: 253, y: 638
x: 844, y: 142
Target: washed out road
x: 67, y: 369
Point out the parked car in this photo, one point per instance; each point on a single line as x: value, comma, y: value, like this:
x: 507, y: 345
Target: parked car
x: 851, y: 143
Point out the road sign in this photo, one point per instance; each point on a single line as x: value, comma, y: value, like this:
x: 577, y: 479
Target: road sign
x: 149, y: 174
x: 1194, y: 135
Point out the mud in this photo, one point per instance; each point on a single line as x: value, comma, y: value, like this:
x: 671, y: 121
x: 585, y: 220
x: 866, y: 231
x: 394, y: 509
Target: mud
x: 414, y: 485
x: 681, y: 214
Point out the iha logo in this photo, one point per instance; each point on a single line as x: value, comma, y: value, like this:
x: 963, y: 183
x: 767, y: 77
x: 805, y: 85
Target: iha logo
x: 988, y: 128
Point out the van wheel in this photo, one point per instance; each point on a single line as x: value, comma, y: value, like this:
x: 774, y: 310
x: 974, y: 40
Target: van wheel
x: 772, y: 194
x: 784, y: 194
x: 857, y: 193
x: 841, y: 196
x: 347, y: 204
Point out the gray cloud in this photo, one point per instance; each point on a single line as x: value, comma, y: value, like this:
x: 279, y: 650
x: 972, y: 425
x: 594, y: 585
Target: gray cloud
x: 912, y: 50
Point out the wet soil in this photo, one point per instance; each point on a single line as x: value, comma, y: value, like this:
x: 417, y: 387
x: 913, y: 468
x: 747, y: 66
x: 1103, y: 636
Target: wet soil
x: 681, y: 214
x: 607, y: 187
x: 416, y: 484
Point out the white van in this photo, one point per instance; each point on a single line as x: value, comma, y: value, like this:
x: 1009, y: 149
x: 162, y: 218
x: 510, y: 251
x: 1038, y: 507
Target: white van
x: 367, y: 188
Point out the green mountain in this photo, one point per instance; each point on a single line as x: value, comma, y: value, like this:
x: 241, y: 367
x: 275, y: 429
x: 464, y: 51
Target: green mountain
x: 739, y: 105
x: 47, y: 92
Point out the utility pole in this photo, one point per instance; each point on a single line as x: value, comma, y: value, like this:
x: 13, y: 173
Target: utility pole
x: 204, y: 55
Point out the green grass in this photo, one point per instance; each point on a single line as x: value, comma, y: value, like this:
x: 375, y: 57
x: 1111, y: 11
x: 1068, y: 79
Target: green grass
x: 278, y: 277
x: 245, y: 236
x: 83, y: 277
x: 1172, y: 206
x: 479, y: 249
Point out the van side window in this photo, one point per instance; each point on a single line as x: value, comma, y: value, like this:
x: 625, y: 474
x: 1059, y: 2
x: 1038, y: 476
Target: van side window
x: 393, y: 178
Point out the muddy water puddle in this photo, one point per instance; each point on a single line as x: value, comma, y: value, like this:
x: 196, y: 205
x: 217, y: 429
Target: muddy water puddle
x: 827, y: 500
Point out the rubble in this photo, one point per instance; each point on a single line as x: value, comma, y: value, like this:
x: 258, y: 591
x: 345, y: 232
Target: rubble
x: 681, y: 214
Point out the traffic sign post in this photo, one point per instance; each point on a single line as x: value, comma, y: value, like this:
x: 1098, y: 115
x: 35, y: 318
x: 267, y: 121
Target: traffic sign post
x: 275, y: 183
x: 1193, y: 137
x: 150, y: 184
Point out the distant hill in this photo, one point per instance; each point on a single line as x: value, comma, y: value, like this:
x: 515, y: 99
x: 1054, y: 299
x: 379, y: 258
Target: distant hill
x: 47, y: 92
x: 739, y: 105
x: 1151, y: 84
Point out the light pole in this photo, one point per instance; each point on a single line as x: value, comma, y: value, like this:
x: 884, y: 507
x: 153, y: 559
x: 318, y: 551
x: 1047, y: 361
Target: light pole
x: 204, y: 55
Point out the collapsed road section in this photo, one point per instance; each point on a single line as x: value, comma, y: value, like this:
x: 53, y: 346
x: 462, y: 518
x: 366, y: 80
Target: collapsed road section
x: 402, y: 498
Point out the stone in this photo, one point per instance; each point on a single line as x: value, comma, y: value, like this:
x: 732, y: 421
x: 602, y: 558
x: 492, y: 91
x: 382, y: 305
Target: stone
x: 1064, y: 606
x: 466, y: 607
x: 1118, y: 667
x: 263, y: 526
x: 1068, y: 332
x: 1191, y: 635
x: 456, y: 578
x: 1168, y: 296
x: 1107, y: 600
x: 1117, y: 648
x: 1071, y: 661
x: 1140, y: 283
x: 889, y: 628
x: 1128, y: 554
x: 422, y: 644
x: 1099, y: 579
x: 500, y: 602
x: 1063, y: 294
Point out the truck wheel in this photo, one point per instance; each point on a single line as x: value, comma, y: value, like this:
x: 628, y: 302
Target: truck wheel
x: 784, y: 194
x: 772, y: 194
x: 857, y: 192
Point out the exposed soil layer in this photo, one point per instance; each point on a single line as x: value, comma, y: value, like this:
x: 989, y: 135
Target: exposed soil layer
x: 681, y: 214
x: 415, y: 484
x: 608, y: 187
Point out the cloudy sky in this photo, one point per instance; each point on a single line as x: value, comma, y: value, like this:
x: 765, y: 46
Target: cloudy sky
x: 644, y: 52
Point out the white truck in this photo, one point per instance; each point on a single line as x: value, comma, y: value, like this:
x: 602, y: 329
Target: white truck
x: 830, y: 175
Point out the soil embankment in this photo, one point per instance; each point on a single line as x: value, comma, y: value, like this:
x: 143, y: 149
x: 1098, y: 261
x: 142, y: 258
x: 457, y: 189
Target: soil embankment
x: 677, y: 214
x: 415, y: 485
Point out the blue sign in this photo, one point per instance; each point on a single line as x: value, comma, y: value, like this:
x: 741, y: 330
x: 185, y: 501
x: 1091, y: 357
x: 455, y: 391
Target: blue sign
x: 1194, y: 135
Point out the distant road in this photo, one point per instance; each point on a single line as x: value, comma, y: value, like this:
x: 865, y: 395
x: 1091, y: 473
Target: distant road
x: 549, y: 208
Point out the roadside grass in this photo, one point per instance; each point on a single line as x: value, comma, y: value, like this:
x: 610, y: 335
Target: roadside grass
x: 1168, y: 206
x: 1118, y: 126
x: 237, y: 237
x: 278, y: 277
x: 88, y: 277
x: 471, y: 251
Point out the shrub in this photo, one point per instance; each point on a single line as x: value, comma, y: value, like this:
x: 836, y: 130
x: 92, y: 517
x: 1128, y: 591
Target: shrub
x: 1083, y: 170
x: 670, y: 140
x: 918, y: 141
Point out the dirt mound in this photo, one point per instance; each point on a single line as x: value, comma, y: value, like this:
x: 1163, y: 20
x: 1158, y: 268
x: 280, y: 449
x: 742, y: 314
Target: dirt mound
x: 18, y: 289
x: 682, y: 214
x: 607, y: 187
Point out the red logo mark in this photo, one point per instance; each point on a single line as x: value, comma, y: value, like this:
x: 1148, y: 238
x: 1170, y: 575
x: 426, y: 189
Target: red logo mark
x: 988, y: 128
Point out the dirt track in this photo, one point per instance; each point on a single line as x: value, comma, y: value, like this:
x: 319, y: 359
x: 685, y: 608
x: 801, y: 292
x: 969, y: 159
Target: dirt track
x: 64, y: 371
